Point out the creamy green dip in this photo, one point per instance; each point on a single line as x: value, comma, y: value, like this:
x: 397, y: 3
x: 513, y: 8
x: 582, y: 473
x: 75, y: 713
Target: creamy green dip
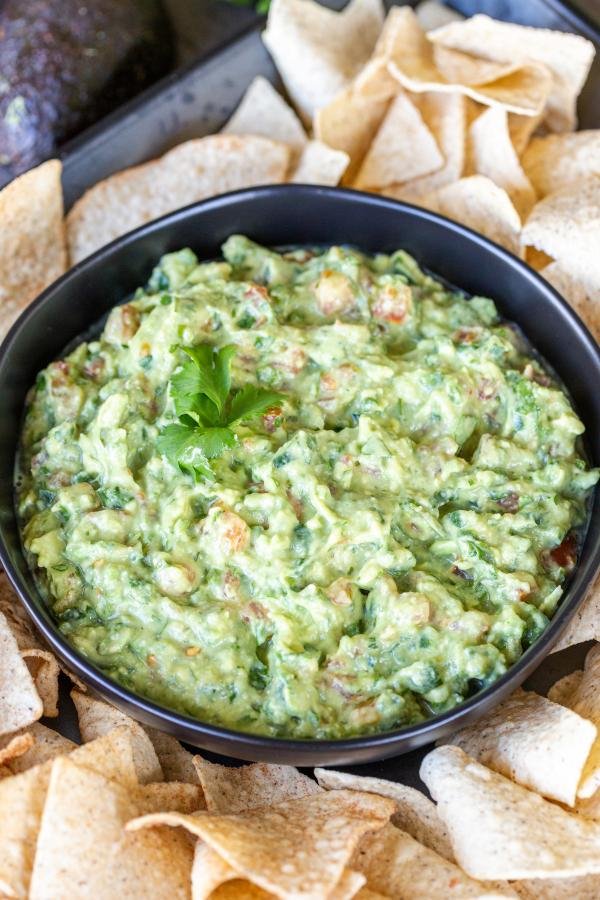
x: 381, y: 546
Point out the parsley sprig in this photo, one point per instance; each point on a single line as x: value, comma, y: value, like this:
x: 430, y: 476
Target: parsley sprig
x: 206, y: 408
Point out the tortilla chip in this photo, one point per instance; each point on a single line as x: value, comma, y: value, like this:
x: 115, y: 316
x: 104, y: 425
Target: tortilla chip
x: 349, y: 123
x: 374, y: 80
x: 481, y: 205
x: 585, y: 624
x: 318, y: 51
x: 97, y: 718
x: 176, y: 762
x: 563, y: 689
x: 567, y: 56
x: 230, y: 789
x: 532, y: 741
x: 190, y: 172
x: 521, y: 88
x: 82, y: 843
x: 320, y: 164
x: 501, y: 830
x: 583, y: 297
x: 398, y: 866
x: 585, y: 888
x: 32, y: 248
x: 297, y: 846
x: 41, y: 662
x: 492, y: 154
x: 584, y: 700
x: 402, y: 149
x: 445, y: 116
x: 415, y: 813
x: 45, y: 744
x: 464, y: 69
x: 521, y: 129
x: 179, y: 795
x: 15, y: 746
x: 264, y: 112
x: 433, y: 14
x: 566, y: 226
x: 558, y: 160
x: 22, y: 799
x: 20, y: 704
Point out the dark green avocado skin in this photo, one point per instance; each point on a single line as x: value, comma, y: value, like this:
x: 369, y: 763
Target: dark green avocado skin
x: 66, y: 63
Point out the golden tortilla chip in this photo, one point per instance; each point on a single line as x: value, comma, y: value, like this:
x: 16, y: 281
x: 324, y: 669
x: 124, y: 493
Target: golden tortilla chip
x: 191, y: 171
x: 415, y: 813
x: 297, y: 847
x: 32, y: 245
x: 179, y: 795
x: 585, y: 701
x: 585, y: 624
x: 320, y: 164
x: 532, y: 741
x: 445, y: 116
x: 82, y: 843
x: 566, y: 226
x: 567, y: 56
x: 583, y: 297
x: 230, y: 789
x: 20, y: 703
x: 97, y: 718
x: 41, y: 662
x: 318, y: 51
x: 537, y: 259
x: 264, y: 112
x: 521, y: 129
x: 563, y: 689
x: 492, y: 154
x: 45, y: 744
x: 558, y: 160
x: 398, y: 866
x: 14, y: 746
x: 481, y: 205
x: 176, y: 762
x: 349, y: 123
x: 22, y: 799
x: 585, y: 888
x: 521, y: 88
x: 500, y: 829
x: 403, y: 148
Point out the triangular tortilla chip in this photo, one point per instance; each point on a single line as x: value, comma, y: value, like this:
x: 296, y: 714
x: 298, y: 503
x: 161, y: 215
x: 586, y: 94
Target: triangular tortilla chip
x: 230, y: 789
x: 398, y: 866
x: 176, y: 762
x: 403, y: 148
x: 192, y: 171
x: 481, y: 205
x: 45, y: 744
x: 297, y: 846
x: 349, y: 123
x: 264, y: 112
x: 41, y: 662
x: 566, y: 226
x: 32, y: 243
x: 585, y: 624
x: 557, y: 160
x: 519, y: 88
x: 563, y: 689
x: 97, y: 718
x: 492, y: 154
x: 320, y: 164
x: 318, y: 51
x: 22, y: 800
x: 567, y: 56
x: 415, y: 813
x: 82, y: 843
x: 445, y: 116
x: 501, y: 830
x: 20, y: 703
x: 533, y: 741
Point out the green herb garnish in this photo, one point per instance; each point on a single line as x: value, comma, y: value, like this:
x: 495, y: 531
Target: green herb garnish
x: 207, y: 408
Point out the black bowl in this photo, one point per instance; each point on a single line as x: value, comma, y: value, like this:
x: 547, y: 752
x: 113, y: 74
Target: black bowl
x: 287, y: 215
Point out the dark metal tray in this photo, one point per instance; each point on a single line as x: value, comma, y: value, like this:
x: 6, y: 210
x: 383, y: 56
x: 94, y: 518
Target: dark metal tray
x: 197, y: 100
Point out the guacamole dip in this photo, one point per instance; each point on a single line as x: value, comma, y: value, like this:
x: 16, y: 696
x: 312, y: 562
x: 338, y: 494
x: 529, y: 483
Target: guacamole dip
x: 384, y: 539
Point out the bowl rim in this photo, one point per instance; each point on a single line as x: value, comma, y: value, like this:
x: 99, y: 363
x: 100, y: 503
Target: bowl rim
x: 573, y: 594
